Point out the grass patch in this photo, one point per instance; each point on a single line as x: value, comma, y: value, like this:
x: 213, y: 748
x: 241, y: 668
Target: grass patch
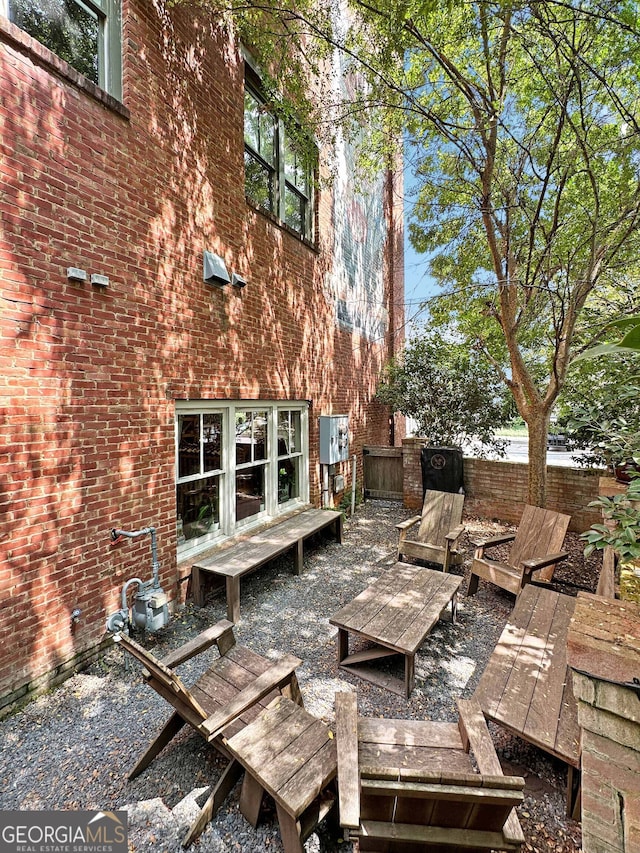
x: 513, y: 432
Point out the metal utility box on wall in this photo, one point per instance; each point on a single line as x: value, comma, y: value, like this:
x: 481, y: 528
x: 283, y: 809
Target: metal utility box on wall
x: 334, y: 439
x: 442, y: 469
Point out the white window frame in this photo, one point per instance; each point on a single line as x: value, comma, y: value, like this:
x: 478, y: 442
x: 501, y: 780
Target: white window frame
x: 228, y: 524
x: 281, y: 183
x: 109, y: 15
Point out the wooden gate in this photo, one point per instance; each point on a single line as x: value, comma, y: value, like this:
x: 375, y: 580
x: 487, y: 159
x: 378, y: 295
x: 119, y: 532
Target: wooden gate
x: 382, y: 473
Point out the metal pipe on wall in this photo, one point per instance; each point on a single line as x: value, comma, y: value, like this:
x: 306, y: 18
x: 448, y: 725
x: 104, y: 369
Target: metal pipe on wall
x: 354, y: 466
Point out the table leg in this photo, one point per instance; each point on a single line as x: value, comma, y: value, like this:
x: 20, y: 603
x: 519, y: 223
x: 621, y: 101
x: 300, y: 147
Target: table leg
x: 290, y: 831
x: 233, y: 599
x: 409, y: 673
x: 251, y: 798
x: 343, y: 644
x: 454, y: 607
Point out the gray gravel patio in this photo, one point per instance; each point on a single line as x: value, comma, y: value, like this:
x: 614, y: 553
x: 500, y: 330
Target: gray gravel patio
x: 71, y: 748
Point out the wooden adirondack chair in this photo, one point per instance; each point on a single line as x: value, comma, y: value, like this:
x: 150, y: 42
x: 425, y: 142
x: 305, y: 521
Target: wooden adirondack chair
x: 440, y: 527
x: 533, y: 556
x: 410, y: 786
x: 232, y: 692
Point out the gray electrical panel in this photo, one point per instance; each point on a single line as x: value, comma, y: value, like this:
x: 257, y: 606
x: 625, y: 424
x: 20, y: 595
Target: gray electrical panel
x: 334, y: 439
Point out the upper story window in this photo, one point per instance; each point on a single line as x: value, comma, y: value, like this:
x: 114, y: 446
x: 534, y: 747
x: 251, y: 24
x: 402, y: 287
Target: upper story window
x: 278, y: 173
x: 87, y: 35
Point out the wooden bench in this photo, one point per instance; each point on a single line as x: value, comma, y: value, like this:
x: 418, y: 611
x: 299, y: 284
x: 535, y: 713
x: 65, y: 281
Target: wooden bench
x: 247, y: 556
x: 527, y: 685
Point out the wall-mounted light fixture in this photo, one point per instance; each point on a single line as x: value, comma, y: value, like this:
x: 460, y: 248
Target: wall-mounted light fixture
x: 238, y: 280
x: 214, y: 271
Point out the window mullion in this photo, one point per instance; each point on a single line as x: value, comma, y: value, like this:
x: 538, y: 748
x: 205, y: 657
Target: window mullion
x: 280, y: 190
x: 229, y: 488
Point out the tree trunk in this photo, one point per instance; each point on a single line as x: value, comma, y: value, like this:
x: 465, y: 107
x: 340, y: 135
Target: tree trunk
x: 537, y: 474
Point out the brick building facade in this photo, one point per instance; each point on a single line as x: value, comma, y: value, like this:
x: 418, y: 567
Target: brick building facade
x: 130, y: 181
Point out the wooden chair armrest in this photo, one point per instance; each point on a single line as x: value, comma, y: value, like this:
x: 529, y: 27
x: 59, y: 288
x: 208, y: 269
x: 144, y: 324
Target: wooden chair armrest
x: 495, y: 540
x: 540, y: 562
x: 405, y: 525
x: 454, y: 534
x: 199, y: 644
x: 273, y: 678
x: 347, y: 749
x: 475, y: 734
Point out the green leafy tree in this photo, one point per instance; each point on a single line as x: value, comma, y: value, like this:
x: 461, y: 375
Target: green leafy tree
x: 523, y: 120
x: 448, y: 390
x: 528, y: 200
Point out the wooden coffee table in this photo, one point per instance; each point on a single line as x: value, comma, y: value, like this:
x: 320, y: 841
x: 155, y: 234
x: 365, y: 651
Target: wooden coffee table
x: 396, y: 613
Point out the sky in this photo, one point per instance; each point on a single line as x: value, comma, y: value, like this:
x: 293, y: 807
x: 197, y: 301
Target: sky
x: 418, y: 285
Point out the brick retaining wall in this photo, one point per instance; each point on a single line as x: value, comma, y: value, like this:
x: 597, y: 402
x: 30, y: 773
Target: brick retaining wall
x: 496, y: 489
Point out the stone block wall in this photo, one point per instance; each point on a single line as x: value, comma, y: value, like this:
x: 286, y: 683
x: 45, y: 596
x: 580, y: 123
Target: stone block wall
x: 604, y: 652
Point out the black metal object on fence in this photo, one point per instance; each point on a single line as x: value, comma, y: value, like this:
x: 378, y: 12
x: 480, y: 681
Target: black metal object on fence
x: 442, y: 469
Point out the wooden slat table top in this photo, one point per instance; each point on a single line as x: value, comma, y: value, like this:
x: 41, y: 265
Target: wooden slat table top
x: 270, y: 543
x: 526, y: 686
x: 291, y: 754
x: 400, y: 608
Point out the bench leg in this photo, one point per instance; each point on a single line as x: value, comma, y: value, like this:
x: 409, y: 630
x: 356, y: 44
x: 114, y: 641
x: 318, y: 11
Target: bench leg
x: 292, y: 691
x: 574, y: 792
x: 472, y: 588
x: 339, y: 522
x: 290, y: 831
x: 409, y: 674
x: 233, y: 599
x: 298, y: 557
x: 196, y: 586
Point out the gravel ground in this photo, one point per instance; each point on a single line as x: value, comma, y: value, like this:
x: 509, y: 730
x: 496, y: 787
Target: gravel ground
x: 71, y: 748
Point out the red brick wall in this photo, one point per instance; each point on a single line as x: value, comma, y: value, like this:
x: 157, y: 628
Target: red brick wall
x: 89, y: 375
x: 496, y: 489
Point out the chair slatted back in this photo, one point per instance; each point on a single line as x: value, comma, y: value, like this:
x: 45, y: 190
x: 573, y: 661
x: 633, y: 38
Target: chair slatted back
x: 441, y: 512
x: 540, y: 532
x: 466, y: 802
x: 165, y: 681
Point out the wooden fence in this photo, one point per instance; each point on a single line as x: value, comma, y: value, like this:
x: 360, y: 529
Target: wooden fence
x: 383, y: 473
